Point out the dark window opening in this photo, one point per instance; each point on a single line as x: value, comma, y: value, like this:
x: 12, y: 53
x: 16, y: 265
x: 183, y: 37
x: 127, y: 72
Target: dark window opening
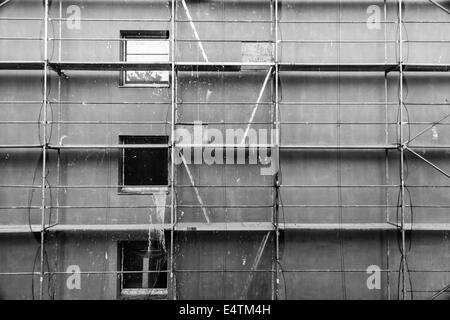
x: 144, y: 166
x: 137, y: 256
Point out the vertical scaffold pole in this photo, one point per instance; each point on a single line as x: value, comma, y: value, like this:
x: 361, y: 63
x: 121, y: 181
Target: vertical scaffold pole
x: 402, y: 149
x: 44, y: 151
x: 277, y: 153
x: 172, y: 143
x: 386, y: 141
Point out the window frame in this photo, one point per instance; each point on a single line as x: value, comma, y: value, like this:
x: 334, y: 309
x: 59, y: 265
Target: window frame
x: 125, y: 35
x: 136, y: 292
x: 140, y: 189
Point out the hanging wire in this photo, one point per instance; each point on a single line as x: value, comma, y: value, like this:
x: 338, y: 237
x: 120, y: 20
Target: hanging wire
x: 408, y: 234
x: 37, y: 236
x: 279, y: 196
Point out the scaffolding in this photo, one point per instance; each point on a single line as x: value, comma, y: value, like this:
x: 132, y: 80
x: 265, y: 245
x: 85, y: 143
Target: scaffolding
x: 274, y: 70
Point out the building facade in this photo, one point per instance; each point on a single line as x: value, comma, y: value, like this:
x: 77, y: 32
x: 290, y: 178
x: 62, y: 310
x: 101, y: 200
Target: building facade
x: 259, y: 149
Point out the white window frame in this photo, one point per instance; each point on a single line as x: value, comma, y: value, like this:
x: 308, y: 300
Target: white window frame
x: 162, y: 47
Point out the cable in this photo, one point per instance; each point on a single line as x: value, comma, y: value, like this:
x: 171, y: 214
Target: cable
x: 50, y: 282
x: 410, y: 243
x: 405, y: 170
x: 51, y: 200
x: 49, y: 87
x: 408, y: 250
x: 31, y: 195
x: 280, y: 175
x: 37, y: 236
x: 278, y: 197
x: 339, y: 162
x: 34, y: 267
x: 284, y: 279
x: 411, y: 290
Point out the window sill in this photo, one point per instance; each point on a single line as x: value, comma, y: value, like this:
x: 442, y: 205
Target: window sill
x: 140, y: 85
x: 145, y: 190
x: 135, y: 293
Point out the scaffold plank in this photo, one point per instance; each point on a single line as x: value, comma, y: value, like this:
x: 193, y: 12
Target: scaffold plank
x: 224, y: 227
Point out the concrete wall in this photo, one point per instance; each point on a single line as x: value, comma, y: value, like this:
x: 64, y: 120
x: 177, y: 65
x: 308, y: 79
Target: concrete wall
x: 222, y: 256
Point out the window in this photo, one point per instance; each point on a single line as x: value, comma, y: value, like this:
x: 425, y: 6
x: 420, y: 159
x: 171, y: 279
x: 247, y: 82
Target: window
x: 142, y: 170
x: 146, y: 47
x: 144, y: 268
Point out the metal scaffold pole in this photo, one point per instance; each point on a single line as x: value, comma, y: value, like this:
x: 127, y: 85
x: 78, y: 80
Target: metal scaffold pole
x: 172, y: 161
x: 277, y: 156
x: 44, y: 152
x: 386, y: 152
x: 296, y: 112
x: 402, y: 150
